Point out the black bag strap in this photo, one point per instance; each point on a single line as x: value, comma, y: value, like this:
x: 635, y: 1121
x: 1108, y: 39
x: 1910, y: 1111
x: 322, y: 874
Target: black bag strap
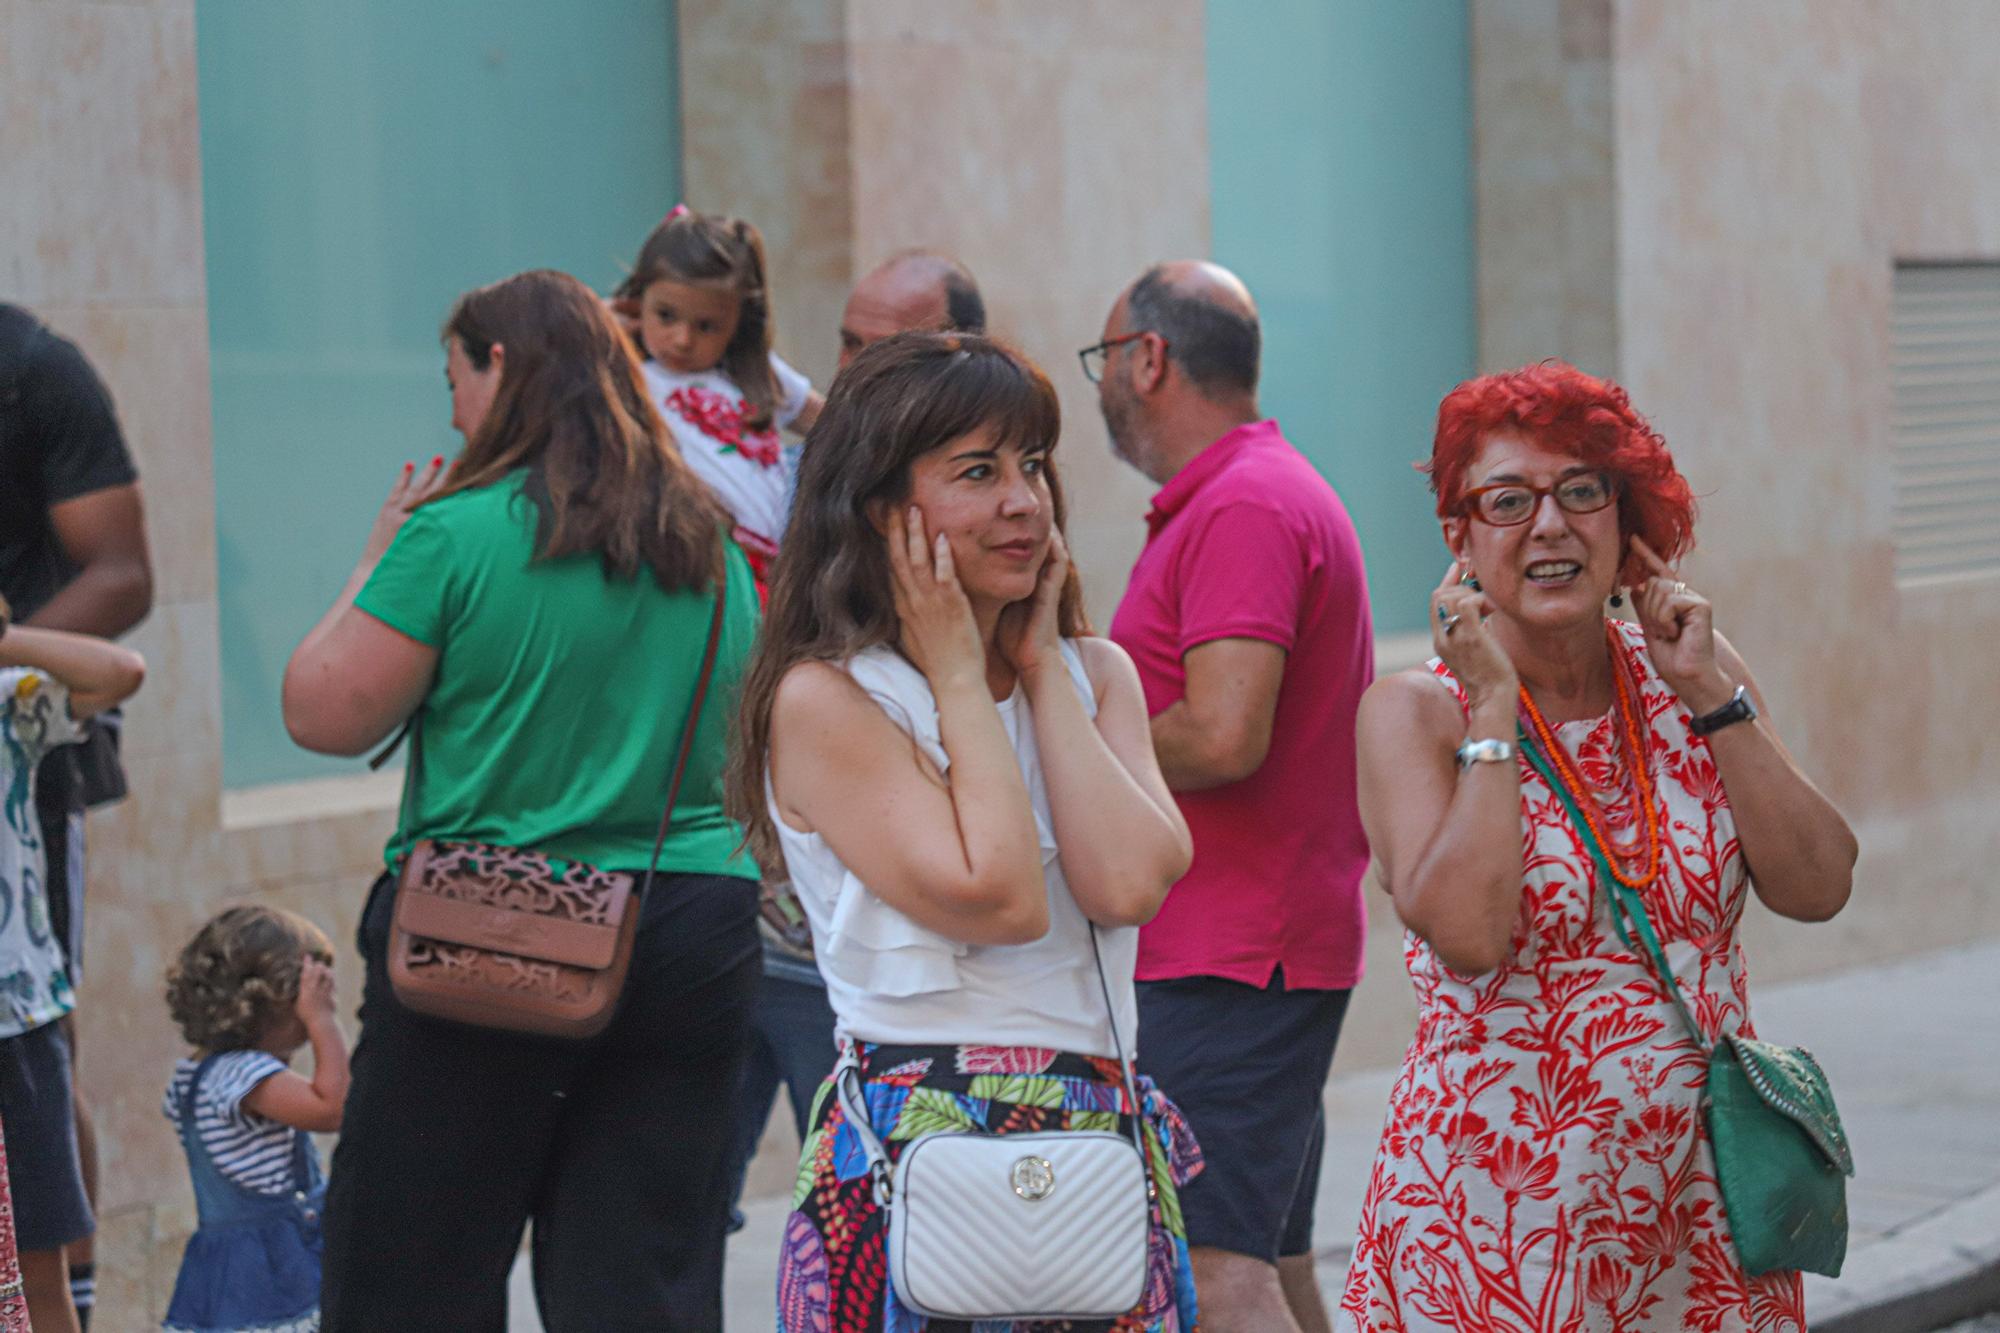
x: 1125, y: 1058
x: 412, y: 731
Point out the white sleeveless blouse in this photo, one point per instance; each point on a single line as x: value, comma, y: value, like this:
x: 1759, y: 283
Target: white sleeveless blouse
x: 894, y: 981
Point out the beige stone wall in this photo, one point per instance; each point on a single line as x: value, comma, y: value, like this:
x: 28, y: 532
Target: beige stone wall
x: 100, y: 232
x: 1055, y: 148
x: 1543, y: 183
x: 765, y: 98
x: 1773, y: 160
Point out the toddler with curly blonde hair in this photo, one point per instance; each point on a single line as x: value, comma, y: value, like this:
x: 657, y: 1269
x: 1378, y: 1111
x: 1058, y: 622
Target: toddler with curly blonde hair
x: 254, y: 985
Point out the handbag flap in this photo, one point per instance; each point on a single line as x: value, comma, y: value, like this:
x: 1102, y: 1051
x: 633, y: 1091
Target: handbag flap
x: 1789, y: 1081
x: 512, y: 902
x: 509, y: 930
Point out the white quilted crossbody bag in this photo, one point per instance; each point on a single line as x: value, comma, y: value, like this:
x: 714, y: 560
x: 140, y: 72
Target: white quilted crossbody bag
x: 1016, y: 1226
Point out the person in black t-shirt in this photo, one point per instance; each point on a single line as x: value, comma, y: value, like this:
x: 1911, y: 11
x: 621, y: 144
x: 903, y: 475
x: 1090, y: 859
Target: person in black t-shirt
x: 72, y: 557
x: 72, y: 530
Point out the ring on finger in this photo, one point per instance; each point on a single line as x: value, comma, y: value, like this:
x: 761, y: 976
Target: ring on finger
x: 1450, y: 625
x: 1443, y: 615
x: 1680, y: 588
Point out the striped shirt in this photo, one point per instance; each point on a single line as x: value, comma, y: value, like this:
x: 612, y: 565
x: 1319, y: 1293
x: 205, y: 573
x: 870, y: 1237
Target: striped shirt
x: 249, y: 1149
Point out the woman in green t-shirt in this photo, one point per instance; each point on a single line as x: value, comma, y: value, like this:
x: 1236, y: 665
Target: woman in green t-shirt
x: 540, y: 608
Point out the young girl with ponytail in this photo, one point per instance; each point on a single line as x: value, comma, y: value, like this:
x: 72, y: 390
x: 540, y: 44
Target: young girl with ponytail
x: 700, y: 294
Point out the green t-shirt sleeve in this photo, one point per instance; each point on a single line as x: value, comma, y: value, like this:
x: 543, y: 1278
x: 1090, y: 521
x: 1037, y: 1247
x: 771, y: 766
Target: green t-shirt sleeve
x: 412, y: 586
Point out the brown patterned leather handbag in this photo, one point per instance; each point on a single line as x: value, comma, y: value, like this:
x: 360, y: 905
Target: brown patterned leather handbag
x: 500, y: 937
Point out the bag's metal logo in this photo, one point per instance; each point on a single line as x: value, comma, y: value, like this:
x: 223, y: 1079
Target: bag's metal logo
x: 1034, y: 1178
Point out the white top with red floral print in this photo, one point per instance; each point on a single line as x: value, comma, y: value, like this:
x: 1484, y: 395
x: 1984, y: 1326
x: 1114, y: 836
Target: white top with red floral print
x: 1544, y: 1168
x: 749, y: 471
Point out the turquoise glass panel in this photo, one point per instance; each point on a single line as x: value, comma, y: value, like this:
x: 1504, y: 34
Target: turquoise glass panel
x: 364, y: 162
x: 1340, y: 161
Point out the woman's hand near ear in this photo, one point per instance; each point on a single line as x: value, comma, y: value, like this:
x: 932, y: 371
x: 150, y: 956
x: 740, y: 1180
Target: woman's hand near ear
x: 938, y: 631
x: 1030, y: 636
x: 1458, y: 631
x: 353, y: 679
x: 411, y: 488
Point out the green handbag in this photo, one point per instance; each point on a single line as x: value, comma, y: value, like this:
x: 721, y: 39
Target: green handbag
x: 1780, y: 1154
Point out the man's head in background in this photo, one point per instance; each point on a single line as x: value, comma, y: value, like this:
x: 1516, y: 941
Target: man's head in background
x: 913, y: 289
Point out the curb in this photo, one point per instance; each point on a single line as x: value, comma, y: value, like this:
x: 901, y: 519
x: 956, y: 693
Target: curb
x: 1931, y: 1273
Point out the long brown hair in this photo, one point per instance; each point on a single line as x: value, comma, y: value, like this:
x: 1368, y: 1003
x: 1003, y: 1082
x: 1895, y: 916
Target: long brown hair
x: 572, y: 409
x: 830, y: 590
x: 708, y: 248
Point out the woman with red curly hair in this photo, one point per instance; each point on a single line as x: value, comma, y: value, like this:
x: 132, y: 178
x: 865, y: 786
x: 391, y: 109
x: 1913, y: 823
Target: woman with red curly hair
x: 1544, y: 1165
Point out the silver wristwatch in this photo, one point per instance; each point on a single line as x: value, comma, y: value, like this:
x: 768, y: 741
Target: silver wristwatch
x: 1485, y: 752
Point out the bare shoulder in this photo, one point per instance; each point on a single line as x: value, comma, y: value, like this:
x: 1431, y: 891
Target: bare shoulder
x: 813, y: 697
x: 1108, y: 665
x: 822, y: 712
x: 810, y: 684
x: 1412, y: 700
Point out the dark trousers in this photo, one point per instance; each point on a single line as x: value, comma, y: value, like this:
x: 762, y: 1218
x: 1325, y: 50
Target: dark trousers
x: 791, y: 1043
x: 1247, y: 1065
x: 616, y: 1149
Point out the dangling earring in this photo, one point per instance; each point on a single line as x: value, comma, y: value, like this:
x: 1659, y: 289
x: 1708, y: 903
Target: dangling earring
x: 1470, y: 580
x: 1617, y: 599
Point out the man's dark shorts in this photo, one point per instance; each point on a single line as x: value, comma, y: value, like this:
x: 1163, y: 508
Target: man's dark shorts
x: 44, y: 1171
x: 1248, y: 1067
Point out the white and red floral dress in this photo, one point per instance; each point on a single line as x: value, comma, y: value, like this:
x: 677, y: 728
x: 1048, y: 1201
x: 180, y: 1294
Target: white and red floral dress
x: 1544, y: 1168
x: 750, y: 471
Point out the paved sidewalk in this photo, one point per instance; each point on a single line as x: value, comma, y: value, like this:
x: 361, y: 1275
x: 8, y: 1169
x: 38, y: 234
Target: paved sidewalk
x: 1910, y: 1049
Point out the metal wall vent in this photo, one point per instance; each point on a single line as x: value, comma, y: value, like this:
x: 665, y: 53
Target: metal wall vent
x: 1944, y: 352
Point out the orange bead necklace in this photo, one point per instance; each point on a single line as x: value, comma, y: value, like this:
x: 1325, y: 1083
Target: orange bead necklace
x: 1630, y: 737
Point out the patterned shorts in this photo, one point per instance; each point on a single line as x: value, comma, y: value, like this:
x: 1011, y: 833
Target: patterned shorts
x: 833, y: 1274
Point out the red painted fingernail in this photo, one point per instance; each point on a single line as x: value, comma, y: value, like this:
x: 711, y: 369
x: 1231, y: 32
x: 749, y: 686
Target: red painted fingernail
x: 438, y: 461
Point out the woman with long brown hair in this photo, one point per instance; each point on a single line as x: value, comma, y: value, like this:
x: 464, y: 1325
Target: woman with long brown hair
x: 541, y: 610
x: 959, y: 781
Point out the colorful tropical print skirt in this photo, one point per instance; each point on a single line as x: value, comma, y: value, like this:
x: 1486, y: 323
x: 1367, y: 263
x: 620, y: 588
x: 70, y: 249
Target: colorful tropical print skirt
x: 833, y: 1274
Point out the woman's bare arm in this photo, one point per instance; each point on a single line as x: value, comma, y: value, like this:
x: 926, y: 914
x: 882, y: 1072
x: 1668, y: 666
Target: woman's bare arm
x: 959, y: 857
x: 1799, y: 850
x: 353, y: 680
x: 1448, y: 843
x: 1123, y: 839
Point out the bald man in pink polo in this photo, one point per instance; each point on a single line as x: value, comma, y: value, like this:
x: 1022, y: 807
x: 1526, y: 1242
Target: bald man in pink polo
x: 1247, y: 615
